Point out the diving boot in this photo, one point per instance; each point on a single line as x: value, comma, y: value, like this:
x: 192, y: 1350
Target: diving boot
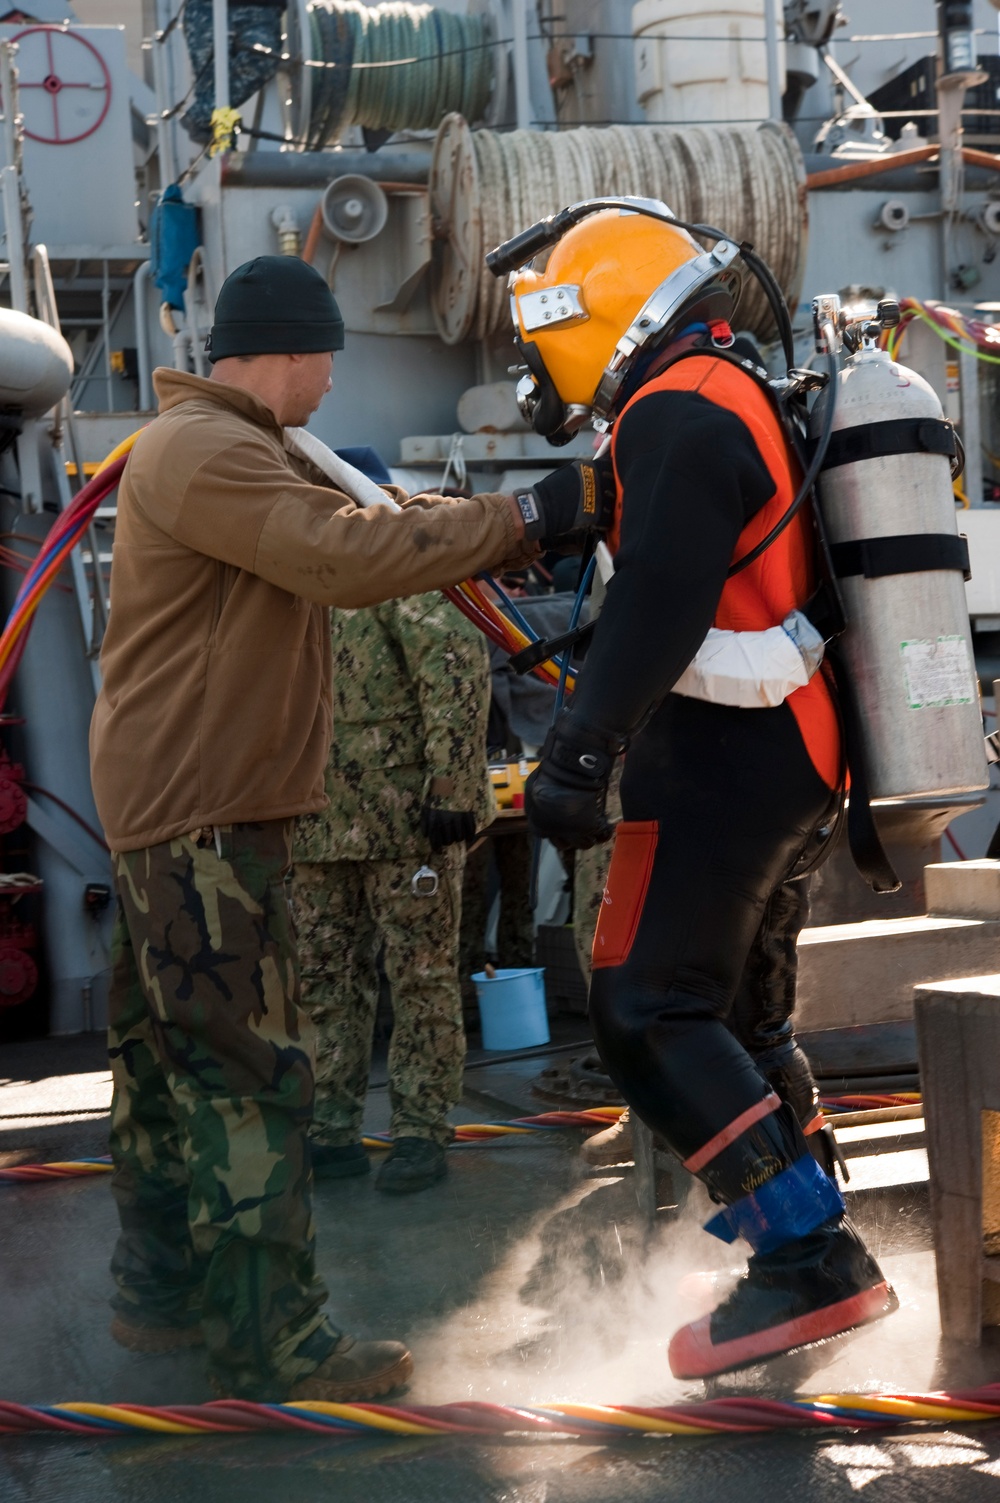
x: 413, y: 1164
x: 342, y: 1162
x: 356, y: 1371
x: 815, y: 1287
x: 613, y: 1145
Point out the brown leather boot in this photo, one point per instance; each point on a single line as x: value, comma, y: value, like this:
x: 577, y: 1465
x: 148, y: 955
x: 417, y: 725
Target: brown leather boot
x: 612, y: 1146
x: 355, y: 1371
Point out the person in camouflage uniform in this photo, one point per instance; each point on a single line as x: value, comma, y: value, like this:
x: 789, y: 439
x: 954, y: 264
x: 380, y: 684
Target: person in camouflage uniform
x: 250, y: 26
x: 408, y: 787
x: 210, y: 734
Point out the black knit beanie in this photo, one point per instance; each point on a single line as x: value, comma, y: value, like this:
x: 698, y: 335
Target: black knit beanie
x: 275, y: 305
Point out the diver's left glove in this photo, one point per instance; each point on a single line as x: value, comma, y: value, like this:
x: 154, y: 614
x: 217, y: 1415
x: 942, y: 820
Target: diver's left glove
x: 573, y: 503
x: 565, y: 796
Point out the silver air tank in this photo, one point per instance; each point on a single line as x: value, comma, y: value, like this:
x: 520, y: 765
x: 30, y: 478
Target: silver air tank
x: 886, y: 498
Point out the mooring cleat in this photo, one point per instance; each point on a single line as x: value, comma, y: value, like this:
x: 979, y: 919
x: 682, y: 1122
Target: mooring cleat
x: 809, y: 1291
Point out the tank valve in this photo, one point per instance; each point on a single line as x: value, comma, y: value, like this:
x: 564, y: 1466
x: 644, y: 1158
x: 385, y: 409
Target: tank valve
x: 854, y: 326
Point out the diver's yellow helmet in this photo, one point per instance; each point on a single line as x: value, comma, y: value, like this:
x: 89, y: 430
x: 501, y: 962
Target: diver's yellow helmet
x: 617, y: 284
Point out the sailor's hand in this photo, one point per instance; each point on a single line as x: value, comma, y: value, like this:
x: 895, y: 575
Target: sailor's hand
x: 565, y: 796
x: 572, y: 504
x: 444, y: 827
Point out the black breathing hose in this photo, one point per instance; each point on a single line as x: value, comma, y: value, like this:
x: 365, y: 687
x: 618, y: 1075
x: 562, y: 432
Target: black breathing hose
x: 811, y: 475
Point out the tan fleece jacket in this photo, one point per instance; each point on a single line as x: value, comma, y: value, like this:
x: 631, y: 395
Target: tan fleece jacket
x: 215, y: 704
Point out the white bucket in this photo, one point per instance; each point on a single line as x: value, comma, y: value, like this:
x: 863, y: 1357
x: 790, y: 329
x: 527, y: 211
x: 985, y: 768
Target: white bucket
x: 512, y: 1008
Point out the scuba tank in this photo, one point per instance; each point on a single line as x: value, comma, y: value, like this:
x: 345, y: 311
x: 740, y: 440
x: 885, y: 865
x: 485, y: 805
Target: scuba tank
x: 888, y: 511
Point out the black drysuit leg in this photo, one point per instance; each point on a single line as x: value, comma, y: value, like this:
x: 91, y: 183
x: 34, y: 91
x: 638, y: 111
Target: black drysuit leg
x: 735, y: 798
x: 761, y: 1016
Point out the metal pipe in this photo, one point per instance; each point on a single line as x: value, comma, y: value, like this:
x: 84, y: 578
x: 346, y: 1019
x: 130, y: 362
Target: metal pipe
x: 47, y: 310
x: 106, y: 324
x: 774, y: 89
x: 220, y: 44
x: 164, y: 141
x: 10, y: 187
x: 314, y: 169
x: 834, y: 177
x: 9, y: 101
x: 968, y: 388
x: 142, y: 359
x: 519, y: 58
x: 182, y: 347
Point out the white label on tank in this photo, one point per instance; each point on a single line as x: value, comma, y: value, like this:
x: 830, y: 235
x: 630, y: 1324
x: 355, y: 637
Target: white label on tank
x: 937, y: 673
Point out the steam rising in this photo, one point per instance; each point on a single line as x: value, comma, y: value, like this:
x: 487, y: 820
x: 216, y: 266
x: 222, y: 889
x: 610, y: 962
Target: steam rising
x: 582, y: 1306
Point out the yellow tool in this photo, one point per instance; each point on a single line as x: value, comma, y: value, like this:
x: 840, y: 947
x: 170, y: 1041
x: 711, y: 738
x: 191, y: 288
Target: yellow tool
x: 508, y: 779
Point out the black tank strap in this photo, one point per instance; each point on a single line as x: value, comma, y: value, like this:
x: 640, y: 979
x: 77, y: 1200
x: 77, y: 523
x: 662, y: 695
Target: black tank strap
x: 901, y: 553
x: 924, y: 435
x: 862, y: 835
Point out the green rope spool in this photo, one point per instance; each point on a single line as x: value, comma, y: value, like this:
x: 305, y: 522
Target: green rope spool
x: 395, y: 66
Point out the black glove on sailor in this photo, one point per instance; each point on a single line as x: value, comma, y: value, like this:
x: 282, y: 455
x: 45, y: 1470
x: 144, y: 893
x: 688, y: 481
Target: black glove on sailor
x: 444, y: 827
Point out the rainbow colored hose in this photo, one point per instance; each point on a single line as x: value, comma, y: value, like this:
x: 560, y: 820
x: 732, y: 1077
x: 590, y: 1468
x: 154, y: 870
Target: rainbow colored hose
x: 467, y: 1135
x: 483, y: 602
x: 482, y: 599
x: 590, y: 1422
x: 957, y: 329
x: 59, y: 543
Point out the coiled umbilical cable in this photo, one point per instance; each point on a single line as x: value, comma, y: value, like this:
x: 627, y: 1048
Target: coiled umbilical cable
x: 395, y: 66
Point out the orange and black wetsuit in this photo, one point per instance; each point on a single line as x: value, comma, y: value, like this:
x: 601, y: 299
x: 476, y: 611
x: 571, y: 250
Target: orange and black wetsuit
x: 719, y: 803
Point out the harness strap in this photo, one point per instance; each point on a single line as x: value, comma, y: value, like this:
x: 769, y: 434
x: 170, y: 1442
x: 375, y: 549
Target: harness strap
x: 902, y: 553
x: 924, y: 435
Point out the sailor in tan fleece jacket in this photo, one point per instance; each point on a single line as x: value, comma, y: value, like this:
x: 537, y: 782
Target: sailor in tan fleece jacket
x: 210, y: 734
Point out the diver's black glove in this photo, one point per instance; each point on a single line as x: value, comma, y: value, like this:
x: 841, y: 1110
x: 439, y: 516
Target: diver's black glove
x: 565, y: 796
x: 444, y: 827
x: 568, y: 506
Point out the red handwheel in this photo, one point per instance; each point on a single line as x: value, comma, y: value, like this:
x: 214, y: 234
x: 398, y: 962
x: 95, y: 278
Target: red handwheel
x: 56, y: 108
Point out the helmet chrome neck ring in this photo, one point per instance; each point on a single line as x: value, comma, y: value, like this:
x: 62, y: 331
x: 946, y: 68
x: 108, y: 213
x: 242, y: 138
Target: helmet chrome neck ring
x: 685, y: 286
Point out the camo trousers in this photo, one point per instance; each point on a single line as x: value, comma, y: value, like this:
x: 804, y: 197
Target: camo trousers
x: 345, y: 912
x: 212, y: 1064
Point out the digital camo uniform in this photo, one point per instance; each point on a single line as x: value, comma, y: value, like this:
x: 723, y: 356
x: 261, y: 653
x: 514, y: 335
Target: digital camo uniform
x: 250, y: 26
x: 411, y: 701
x: 211, y: 1060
